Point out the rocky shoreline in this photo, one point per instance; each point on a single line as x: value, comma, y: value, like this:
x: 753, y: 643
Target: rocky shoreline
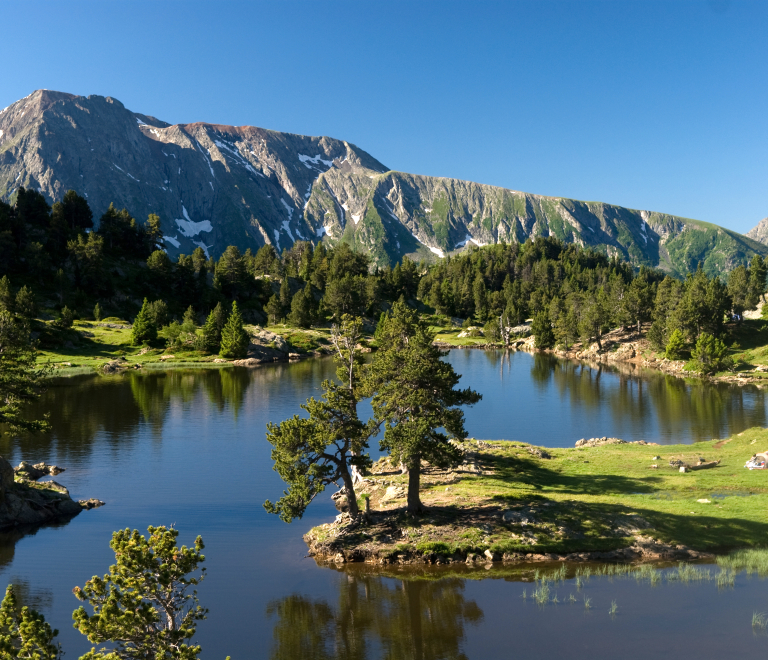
x: 622, y: 347
x: 25, y: 501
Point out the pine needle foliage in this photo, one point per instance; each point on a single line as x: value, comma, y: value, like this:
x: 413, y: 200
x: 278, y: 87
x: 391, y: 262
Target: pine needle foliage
x: 21, y: 380
x: 144, y: 327
x: 416, y: 398
x: 234, y: 338
x: 147, y: 605
x: 24, y: 632
x: 311, y: 453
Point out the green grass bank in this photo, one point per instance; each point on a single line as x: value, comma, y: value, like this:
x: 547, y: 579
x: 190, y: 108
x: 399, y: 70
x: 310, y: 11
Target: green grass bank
x: 514, y: 502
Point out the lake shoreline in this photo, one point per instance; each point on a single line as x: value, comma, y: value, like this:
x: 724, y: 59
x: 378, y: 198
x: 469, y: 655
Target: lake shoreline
x: 512, y: 502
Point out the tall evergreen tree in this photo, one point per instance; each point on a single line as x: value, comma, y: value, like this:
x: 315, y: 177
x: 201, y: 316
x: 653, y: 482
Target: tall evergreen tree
x: 311, y: 453
x: 302, y: 312
x: 416, y: 396
x: 234, y: 338
x: 211, y: 332
x: 21, y: 380
x: 144, y: 327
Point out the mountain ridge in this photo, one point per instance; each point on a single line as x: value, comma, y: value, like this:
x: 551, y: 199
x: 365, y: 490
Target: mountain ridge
x: 215, y: 185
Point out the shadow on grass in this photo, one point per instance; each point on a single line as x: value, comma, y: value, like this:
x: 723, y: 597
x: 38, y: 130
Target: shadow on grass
x: 537, y: 475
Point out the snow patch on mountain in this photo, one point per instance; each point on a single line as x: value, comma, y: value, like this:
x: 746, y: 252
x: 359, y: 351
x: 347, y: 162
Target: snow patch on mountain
x: 287, y: 208
x: 315, y: 160
x: 287, y: 229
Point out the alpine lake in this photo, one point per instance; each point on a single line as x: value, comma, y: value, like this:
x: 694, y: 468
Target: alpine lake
x: 187, y: 447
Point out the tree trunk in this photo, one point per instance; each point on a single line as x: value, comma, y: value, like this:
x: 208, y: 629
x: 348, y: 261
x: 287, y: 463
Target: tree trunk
x: 349, y: 487
x: 414, y: 479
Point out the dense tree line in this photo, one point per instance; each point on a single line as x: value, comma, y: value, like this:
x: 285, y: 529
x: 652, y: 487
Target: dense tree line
x: 571, y: 294
x: 75, y: 271
x: 55, y: 258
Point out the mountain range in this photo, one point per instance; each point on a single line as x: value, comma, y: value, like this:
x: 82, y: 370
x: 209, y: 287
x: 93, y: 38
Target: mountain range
x: 215, y: 185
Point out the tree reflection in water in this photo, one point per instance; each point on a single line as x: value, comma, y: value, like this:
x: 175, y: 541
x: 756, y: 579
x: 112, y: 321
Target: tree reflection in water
x: 376, y: 617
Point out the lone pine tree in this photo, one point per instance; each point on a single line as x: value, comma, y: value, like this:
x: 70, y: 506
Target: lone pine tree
x: 415, y: 397
x: 311, y: 453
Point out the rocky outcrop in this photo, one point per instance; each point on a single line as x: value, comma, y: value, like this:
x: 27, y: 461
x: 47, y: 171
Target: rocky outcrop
x: 759, y: 232
x: 596, y: 442
x: 25, y: 501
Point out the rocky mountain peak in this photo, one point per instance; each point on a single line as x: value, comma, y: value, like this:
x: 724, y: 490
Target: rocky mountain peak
x: 215, y: 185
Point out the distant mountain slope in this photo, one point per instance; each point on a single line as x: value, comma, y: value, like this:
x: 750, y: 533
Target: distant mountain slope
x: 217, y: 185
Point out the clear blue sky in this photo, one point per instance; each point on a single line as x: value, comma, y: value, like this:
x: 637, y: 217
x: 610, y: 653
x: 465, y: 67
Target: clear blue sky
x: 651, y: 105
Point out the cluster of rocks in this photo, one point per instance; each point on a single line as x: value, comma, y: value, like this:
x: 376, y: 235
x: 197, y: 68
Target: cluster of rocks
x: 25, y: 501
x: 596, y: 442
x: 266, y: 346
x: 117, y: 365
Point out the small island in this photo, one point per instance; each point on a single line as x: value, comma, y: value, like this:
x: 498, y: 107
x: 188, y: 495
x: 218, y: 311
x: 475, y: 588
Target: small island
x: 605, y: 500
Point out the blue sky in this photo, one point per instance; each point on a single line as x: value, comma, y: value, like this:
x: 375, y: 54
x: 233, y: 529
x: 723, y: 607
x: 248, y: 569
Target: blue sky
x: 651, y: 105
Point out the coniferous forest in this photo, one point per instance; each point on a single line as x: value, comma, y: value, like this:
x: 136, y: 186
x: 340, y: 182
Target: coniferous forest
x: 60, y: 265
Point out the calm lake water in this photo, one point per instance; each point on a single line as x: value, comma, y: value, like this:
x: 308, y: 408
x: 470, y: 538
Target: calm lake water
x: 187, y: 447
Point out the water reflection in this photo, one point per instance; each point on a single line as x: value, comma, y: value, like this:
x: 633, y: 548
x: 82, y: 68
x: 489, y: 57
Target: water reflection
x: 625, y: 400
x: 375, y: 617
x: 534, y: 398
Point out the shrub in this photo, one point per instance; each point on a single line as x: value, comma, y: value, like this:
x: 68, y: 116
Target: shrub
x: 709, y: 355
x: 675, y: 345
x: 492, y: 331
x: 66, y: 319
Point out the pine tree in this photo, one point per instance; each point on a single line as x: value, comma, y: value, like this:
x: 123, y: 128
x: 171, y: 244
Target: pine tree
x: 97, y: 312
x: 758, y: 270
x: 234, y: 338
x: 24, y: 632
x: 325, y: 448
x: 147, y: 605
x: 675, y: 345
x: 274, y: 310
x: 211, y: 333
x: 415, y: 397
x: 144, y: 327
x: 189, y: 320
x: 301, y: 308
x: 541, y: 328
x: 66, y: 319
x: 285, y: 297
x: 24, y: 304
x: 21, y: 380
x: 6, y: 295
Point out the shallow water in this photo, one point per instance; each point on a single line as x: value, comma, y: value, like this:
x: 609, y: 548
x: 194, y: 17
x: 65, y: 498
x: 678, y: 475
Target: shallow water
x: 187, y: 447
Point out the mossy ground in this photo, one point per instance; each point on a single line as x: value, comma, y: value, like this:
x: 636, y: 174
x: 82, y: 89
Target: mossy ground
x: 579, y: 500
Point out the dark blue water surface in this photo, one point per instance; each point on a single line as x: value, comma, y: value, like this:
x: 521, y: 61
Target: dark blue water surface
x: 187, y: 447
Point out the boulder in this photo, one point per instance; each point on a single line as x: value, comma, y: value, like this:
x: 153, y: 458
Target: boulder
x: 91, y: 503
x: 34, y: 472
